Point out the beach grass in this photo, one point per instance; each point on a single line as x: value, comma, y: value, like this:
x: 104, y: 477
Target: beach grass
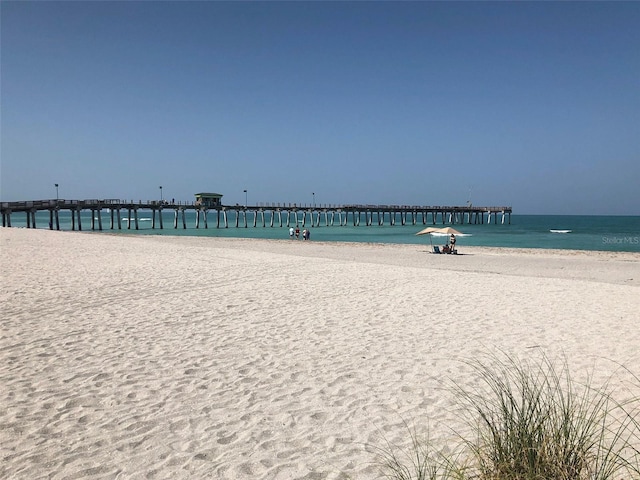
x: 421, y: 460
x: 530, y: 420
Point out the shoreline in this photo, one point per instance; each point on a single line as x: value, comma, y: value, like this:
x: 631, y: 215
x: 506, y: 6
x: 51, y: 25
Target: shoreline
x: 616, y: 251
x: 601, y: 236
x: 198, y: 357
x: 464, y: 249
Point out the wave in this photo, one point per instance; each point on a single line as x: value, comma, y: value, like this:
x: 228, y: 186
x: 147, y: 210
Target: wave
x: 560, y: 231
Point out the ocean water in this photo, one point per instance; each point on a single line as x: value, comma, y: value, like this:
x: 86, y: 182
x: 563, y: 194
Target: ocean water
x: 605, y: 233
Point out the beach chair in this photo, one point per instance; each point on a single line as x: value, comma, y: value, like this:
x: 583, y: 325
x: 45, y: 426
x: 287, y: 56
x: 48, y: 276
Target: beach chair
x: 436, y: 249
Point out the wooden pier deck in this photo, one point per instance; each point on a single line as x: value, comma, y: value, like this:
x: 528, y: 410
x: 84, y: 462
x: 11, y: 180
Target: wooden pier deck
x: 266, y: 214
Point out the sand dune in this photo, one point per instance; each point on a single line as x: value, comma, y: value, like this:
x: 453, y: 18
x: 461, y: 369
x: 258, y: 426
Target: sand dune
x: 189, y: 357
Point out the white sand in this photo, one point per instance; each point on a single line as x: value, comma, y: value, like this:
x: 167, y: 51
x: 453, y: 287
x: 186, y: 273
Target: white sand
x: 183, y: 357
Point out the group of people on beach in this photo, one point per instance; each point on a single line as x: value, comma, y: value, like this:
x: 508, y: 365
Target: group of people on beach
x: 306, y: 233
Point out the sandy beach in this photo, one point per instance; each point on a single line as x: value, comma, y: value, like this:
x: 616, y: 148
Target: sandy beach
x: 191, y: 357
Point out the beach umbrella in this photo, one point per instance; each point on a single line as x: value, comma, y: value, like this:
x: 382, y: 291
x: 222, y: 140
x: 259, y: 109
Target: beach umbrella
x: 452, y: 232
x: 443, y: 231
x: 449, y: 231
x: 429, y: 231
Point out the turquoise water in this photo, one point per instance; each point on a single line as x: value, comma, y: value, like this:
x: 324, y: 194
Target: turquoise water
x: 608, y: 233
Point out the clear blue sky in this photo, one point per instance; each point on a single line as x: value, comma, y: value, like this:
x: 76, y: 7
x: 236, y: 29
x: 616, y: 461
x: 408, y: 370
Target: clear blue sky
x: 534, y: 105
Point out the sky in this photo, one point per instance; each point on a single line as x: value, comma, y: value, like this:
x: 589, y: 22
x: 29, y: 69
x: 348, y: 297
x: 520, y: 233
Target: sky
x: 534, y: 105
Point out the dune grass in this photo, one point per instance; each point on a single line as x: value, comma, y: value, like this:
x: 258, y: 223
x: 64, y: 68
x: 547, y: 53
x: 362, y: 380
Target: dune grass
x: 420, y: 461
x: 530, y: 420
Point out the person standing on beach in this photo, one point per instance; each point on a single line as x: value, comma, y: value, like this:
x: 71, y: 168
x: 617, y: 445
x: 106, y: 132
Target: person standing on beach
x: 452, y: 241
x: 291, y: 233
x: 304, y: 234
x: 297, y: 233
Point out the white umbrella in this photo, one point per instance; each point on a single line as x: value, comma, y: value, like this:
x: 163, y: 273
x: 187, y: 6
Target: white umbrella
x: 449, y: 231
x: 443, y: 231
x: 429, y: 231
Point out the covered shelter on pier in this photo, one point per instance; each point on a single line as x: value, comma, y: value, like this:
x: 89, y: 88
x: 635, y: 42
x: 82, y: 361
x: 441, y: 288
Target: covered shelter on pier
x: 208, y: 199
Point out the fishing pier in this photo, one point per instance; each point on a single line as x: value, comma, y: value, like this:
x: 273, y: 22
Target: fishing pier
x: 111, y: 211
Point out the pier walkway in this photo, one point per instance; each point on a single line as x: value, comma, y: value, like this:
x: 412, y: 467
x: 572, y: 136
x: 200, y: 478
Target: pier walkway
x: 271, y: 214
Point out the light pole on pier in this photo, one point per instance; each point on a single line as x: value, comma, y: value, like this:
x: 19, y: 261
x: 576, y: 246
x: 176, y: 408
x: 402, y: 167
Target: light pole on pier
x: 314, y: 199
x: 245, y: 198
x: 57, y: 197
x: 161, y: 199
